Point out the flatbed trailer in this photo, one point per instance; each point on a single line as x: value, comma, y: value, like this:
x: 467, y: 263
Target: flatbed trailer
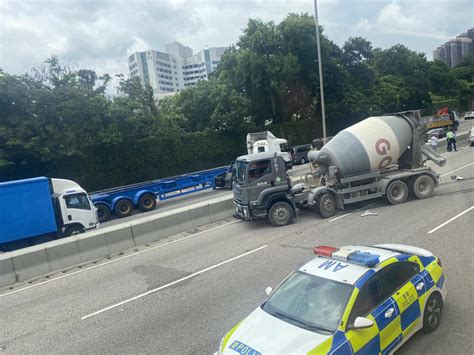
x: 122, y: 200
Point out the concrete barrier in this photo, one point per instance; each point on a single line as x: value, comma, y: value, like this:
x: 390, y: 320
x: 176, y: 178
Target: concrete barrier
x: 30, y: 262
x: 7, y: 272
x: 62, y: 253
x: 119, y: 238
x: 92, y: 246
x: 144, y: 232
x: 36, y: 261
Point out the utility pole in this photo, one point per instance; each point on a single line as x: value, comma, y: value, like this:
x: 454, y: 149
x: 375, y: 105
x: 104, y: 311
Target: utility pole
x: 323, y: 114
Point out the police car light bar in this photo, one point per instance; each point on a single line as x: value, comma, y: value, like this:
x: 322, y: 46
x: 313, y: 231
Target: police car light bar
x: 356, y: 257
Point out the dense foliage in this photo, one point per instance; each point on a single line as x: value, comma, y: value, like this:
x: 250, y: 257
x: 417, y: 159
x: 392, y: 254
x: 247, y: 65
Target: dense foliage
x: 58, y: 121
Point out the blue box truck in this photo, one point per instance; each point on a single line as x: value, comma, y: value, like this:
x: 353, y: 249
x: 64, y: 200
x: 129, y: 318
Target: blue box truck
x: 38, y: 209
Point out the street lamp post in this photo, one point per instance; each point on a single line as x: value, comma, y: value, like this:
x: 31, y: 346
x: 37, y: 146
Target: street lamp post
x: 323, y: 115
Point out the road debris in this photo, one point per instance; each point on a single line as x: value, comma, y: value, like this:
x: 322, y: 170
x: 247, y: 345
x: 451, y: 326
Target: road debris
x: 368, y: 213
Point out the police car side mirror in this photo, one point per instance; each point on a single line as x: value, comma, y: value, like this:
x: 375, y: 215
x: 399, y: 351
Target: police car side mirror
x: 362, y: 322
x: 268, y: 290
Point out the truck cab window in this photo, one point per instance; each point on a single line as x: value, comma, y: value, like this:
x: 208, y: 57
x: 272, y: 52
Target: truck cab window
x: 77, y: 201
x: 258, y: 169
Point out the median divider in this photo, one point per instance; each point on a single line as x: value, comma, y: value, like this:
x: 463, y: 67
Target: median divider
x: 39, y: 260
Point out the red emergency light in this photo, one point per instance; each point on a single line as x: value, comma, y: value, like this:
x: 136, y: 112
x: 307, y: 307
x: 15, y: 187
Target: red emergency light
x: 324, y: 250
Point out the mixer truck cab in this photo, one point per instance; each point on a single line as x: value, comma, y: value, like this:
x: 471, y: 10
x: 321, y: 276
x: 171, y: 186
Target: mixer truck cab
x: 40, y: 209
x: 378, y: 157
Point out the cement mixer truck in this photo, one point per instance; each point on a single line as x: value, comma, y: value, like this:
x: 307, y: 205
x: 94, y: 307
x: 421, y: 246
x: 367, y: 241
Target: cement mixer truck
x: 378, y: 157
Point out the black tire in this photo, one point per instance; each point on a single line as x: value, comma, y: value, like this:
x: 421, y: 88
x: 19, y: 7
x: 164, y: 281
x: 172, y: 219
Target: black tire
x: 303, y: 161
x: 432, y: 313
x: 326, y: 205
x: 74, y: 230
x: 123, y: 208
x: 280, y: 214
x: 397, y: 192
x: 147, y: 202
x: 423, y: 187
x: 103, y: 213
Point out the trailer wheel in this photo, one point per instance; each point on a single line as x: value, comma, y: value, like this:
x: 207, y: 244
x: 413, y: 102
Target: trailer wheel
x: 123, y: 208
x: 326, y: 205
x: 397, y: 192
x: 303, y: 161
x: 147, y: 202
x: 103, y: 213
x: 423, y: 187
x: 280, y: 214
x: 74, y: 230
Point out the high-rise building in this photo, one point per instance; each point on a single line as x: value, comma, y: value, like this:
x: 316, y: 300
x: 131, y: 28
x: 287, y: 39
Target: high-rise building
x: 455, y: 49
x: 175, y: 69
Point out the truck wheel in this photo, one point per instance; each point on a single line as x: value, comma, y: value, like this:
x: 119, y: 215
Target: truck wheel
x: 123, y: 208
x: 74, y: 230
x: 423, y: 186
x: 432, y: 313
x: 103, y: 213
x: 326, y: 205
x: 397, y: 192
x: 147, y: 202
x: 303, y: 161
x: 280, y: 214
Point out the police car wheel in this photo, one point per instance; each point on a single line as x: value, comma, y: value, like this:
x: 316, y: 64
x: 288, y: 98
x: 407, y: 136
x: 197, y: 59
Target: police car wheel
x: 326, y: 205
x: 423, y: 187
x: 432, y: 313
x: 397, y: 192
x: 280, y: 214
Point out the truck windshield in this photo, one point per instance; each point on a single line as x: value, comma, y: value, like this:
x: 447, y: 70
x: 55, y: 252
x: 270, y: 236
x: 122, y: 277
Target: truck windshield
x: 309, y: 302
x: 241, y: 172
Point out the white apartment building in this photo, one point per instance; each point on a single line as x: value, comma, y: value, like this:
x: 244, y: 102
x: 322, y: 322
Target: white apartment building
x: 177, y: 68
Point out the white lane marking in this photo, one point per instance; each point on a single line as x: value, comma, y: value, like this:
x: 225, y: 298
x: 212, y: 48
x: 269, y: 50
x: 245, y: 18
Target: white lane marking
x: 115, y: 260
x: 452, y: 219
x: 462, y: 167
x: 335, y: 219
x: 174, y: 282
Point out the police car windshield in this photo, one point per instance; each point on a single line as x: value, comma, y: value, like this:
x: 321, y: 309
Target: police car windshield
x: 309, y: 302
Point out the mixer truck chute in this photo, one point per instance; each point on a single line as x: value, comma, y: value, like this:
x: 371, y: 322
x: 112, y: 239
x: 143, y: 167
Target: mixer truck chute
x: 378, y: 157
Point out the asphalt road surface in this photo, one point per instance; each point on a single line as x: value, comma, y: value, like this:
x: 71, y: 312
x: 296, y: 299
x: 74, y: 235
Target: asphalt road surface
x: 181, y: 295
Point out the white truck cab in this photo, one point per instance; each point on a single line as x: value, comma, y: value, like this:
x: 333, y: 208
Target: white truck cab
x: 73, y: 207
x: 266, y: 142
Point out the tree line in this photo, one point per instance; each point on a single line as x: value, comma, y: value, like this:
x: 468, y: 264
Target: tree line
x: 59, y: 121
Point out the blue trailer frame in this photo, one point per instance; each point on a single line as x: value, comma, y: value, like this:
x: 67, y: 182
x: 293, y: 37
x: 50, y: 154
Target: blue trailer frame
x: 163, y: 189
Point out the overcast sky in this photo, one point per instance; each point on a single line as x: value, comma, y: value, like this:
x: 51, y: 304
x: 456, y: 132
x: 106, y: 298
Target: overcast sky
x: 99, y: 34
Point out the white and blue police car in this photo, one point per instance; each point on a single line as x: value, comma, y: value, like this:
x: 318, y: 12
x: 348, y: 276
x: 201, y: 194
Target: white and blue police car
x: 349, y: 300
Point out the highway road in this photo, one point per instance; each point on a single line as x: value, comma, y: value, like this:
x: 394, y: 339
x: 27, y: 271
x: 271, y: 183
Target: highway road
x: 201, y: 196
x: 180, y: 295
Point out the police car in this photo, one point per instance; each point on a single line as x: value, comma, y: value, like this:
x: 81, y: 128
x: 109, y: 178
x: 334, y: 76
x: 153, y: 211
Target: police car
x: 350, y: 300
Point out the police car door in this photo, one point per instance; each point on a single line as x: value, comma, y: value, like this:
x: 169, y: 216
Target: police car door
x: 400, y: 312
x: 369, y: 298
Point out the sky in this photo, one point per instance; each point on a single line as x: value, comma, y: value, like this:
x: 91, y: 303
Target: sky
x: 100, y: 34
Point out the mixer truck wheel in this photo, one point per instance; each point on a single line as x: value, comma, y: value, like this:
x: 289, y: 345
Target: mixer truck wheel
x: 397, y: 192
x: 326, y: 205
x: 280, y: 214
x: 147, y: 202
x: 123, y: 208
x: 423, y: 186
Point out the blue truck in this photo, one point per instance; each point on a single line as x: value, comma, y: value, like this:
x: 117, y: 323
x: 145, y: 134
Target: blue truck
x: 40, y: 209
x: 122, y: 201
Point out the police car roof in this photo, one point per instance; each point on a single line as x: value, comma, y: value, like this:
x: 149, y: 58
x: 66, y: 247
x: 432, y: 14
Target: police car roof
x: 345, y: 271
